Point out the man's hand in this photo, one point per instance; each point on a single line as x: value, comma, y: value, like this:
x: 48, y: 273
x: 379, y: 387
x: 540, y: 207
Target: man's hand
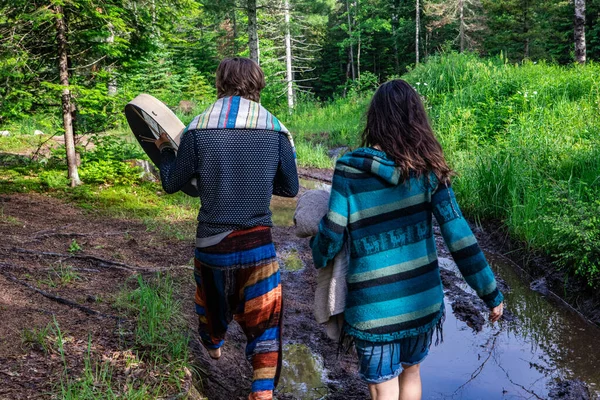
x: 163, y: 138
x: 496, y: 312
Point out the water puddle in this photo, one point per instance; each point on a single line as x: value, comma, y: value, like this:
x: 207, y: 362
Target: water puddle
x: 303, y: 374
x: 310, y: 184
x: 520, y: 359
x: 283, y: 208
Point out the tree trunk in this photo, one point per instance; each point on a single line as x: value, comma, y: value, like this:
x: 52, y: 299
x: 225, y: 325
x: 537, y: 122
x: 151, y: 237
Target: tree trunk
x: 461, y: 10
x: 357, y: 22
x: 112, y: 79
x: 288, y: 57
x: 235, y: 31
x: 351, y: 44
x: 253, y: 44
x: 61, y: 39
x: 395, y: 7
x: 580, y: 48
x: 417, y: 28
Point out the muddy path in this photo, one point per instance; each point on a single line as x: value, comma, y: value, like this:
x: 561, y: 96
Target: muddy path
x: 541, y: 350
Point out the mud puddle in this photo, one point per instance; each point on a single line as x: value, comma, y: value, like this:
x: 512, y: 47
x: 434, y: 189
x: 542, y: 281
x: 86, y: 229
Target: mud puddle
x: 303, y: 375
x: 541, y: 344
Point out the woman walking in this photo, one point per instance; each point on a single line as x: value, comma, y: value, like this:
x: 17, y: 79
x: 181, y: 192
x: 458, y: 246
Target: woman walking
x: 383, y: 197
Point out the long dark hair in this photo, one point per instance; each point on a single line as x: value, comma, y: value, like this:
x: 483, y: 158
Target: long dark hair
x: 397, y: 123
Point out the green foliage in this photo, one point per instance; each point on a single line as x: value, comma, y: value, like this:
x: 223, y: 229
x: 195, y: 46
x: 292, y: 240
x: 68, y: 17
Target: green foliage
x: 37, y: 338
x: 524, y: 140
x: 159, y: 322
x: 574, y: 238
x: 63, y: 274
x: 74, y: 247
x: 160, y: 339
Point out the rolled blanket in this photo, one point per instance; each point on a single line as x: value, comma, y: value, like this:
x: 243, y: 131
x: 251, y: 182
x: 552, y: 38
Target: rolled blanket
x: 330, y: 294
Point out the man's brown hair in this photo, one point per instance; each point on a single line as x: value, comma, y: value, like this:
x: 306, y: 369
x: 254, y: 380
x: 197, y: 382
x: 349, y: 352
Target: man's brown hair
x: 240, y: 76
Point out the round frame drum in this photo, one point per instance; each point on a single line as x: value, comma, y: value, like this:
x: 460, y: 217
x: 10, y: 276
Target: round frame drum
x: 148, y: 118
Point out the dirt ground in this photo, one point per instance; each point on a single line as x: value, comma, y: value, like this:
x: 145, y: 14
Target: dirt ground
x: 34, y: 225
x: 36, y: 233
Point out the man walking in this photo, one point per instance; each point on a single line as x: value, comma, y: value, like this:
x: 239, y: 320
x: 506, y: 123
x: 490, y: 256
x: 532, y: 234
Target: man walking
x: 240, y: 155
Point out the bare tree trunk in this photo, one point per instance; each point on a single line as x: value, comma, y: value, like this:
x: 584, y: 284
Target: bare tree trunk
x: 350, y: 36
x: 417, y: 28
x: 395, y: 7
x: 461, y: 10
x: 235, y: 31
x: 357, y: 22
x: 288, y: 57
x: 61, y: 39
x: 112, y: 80
x: 580, y: 47
x: 526, y: 29
x: 253, y: 44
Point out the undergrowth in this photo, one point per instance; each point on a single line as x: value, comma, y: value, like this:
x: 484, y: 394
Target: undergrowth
x: 158, y: 357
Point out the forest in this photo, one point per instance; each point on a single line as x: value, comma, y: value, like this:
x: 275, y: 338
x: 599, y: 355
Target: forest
x: 512, y: 89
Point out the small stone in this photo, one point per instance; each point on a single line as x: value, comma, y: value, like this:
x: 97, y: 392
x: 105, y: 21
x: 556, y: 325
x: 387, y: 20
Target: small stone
x: 91, y: 299
x: 38, y: 132
x: 4, y: 133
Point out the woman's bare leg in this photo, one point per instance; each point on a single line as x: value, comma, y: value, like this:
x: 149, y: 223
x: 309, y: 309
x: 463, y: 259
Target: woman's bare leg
x: 388, y: 390
x: 410, y: 383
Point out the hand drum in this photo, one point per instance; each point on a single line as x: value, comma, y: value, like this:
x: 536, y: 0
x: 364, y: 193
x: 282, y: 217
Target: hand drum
x: 148, y: 118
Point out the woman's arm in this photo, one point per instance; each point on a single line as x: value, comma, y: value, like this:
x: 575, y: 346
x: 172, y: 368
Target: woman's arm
x: 332, y: 228
x: 463, y: 246
x: 177, y: 170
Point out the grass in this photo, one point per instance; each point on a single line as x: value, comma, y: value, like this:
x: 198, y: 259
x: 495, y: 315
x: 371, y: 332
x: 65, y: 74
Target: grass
x: 524, y: 139
x: 61, y: 275
x: 160, y: 357
x: 37, y: 338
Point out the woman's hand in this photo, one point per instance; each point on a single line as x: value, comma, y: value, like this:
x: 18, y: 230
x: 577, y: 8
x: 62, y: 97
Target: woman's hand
x: 162, y: 139
x: 496, y: 312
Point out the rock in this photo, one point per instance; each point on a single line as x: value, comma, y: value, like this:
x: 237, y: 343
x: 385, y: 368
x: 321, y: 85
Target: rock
x: 569, y: 390
x: 4, y: 133
x: 540, y: 285
x: 38, y: 132
x: 336, y: 152
x: 186, y: 106
x: 149, y: 171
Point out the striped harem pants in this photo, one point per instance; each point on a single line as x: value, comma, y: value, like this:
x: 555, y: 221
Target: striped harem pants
x: 239, y: 279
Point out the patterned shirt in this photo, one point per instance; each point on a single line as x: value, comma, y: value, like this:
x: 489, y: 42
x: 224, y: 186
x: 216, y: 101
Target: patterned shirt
x: 237, y: 172
x: 394, y: 285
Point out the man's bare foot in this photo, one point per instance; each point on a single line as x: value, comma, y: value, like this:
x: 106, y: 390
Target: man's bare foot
x: 215, y: 354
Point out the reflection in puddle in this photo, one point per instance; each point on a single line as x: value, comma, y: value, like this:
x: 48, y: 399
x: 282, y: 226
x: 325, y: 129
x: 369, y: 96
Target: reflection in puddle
x: 310, y: 184
x: 283, y: 208
x: 517, y: 359
x: 290, y: 260
x: 303, y: 373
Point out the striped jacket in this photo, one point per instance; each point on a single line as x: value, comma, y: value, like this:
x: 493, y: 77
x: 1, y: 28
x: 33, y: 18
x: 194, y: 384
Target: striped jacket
x: 394, y: 285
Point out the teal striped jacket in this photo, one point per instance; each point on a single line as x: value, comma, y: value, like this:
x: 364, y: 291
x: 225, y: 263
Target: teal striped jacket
x: 394, y: 285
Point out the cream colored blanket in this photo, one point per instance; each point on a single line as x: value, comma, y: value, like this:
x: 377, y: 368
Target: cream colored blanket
x: 330, y: 295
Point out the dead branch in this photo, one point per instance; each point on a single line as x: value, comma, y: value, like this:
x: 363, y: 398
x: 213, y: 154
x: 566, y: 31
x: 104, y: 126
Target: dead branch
x: 76, y: 234
x: 102, y: 262
x: 479, y: 369
x: 53, y: 297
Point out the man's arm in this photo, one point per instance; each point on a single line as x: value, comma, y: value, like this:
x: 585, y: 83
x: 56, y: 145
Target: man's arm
x: 286, y: 182
x: 177, y: 170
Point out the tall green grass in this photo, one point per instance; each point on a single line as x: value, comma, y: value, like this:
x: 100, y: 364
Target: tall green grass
x: 524, y: 140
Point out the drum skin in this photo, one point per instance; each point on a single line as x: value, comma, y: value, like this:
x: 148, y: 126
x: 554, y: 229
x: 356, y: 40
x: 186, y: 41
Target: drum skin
x: 148, y: 117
